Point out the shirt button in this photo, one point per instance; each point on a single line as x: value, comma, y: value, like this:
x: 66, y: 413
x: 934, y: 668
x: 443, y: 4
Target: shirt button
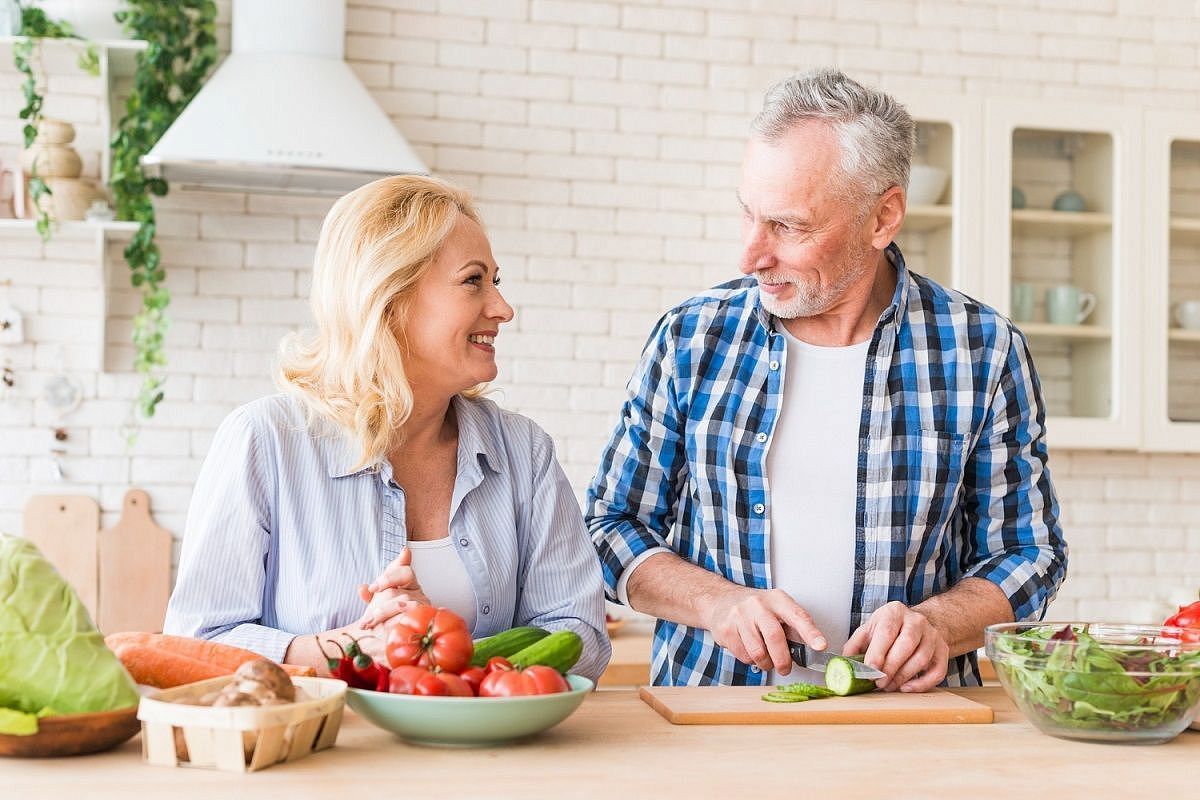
x: 762, y: 437
x: 486, y: 609
x: 759, y: 508
x: 463, y: 542
x: 755, y: 669
x: 774, y: 365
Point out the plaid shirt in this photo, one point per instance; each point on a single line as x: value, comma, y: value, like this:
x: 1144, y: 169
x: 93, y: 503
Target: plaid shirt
x: 952, y: 475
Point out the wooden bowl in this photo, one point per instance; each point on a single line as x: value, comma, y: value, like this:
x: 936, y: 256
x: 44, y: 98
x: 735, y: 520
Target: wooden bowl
x: 74, y: 734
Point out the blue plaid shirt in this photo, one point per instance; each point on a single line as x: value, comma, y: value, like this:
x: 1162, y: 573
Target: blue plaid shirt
x: 952, y: 475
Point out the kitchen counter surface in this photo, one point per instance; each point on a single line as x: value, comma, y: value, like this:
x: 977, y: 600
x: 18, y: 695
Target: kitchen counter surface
x: 615, y: 746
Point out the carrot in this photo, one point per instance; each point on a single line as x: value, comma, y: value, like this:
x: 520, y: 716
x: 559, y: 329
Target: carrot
x: 164, y: 669
x: 223, y: 657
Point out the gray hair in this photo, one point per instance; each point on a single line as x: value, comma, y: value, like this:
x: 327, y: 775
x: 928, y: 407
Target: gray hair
x: 876, y: 132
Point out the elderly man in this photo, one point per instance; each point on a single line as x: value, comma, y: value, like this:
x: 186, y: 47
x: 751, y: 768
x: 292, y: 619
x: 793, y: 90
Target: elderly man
x: 833, y: 450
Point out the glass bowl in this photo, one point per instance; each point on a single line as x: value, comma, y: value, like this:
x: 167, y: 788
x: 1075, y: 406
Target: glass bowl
x: 467, y: 721
x: 1098, y: 681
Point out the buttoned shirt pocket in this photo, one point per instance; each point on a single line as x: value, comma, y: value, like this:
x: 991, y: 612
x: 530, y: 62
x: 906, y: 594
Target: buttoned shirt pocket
x: 935, y: 476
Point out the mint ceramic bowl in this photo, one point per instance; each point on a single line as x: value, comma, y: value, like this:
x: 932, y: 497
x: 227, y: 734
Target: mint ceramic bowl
x: 467, y: 721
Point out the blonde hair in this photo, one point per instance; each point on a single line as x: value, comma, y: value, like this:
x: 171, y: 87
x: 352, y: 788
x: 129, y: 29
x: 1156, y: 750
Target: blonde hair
x: 375, y: 244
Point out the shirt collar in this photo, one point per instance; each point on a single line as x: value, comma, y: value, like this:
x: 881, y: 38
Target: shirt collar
x: 476, y: 437
x: 891, y: 314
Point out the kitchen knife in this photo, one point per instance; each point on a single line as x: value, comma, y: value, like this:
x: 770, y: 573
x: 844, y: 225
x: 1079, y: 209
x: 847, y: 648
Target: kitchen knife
x: 819, y: 660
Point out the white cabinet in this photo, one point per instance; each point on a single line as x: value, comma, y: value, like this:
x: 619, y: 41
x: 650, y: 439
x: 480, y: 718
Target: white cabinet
x: 1088, y: 159
x: 1171, y: 277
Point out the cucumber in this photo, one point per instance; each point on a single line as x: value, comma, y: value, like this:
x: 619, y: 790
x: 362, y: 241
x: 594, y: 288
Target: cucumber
x: 785, y: 697
x: 506, y: 643
x: 560, y: 650
x: 839, y: 677
x: 808, y: 690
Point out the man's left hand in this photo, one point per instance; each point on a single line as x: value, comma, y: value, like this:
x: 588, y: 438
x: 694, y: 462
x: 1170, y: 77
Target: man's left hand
x: 903, y: 644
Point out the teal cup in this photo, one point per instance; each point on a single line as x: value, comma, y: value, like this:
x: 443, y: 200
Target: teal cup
x: 1022, y: 302
x: 1068, y: 305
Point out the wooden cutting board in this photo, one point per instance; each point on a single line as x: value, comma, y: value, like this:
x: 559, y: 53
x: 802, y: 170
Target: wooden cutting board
x: 135, y: 570
x: 64, y: 528
x: 743, y: 705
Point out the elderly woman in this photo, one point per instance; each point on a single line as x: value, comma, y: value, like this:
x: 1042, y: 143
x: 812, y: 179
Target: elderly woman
x: 380, y: 473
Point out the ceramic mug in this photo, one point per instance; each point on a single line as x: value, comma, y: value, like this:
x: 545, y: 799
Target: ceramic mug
x: 1022, y: 302
x: 1187, y: 314
x: 1068, y: 305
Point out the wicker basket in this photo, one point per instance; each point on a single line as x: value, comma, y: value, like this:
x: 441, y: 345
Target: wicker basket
x: 240, y: 738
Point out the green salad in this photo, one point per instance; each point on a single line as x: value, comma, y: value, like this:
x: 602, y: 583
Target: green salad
x: 1074, y: 680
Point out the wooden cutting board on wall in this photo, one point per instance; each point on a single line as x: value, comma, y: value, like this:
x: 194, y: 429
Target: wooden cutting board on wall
x: 743, y: 705
x: 135, y: 569
x: 64, y: 528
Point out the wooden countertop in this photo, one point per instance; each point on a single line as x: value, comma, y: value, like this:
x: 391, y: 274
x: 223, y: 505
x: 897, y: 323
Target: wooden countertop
x: 615, y: 746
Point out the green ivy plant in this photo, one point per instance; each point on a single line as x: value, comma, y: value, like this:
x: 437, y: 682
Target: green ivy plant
x: 36, y: 26
x: 182, y: 48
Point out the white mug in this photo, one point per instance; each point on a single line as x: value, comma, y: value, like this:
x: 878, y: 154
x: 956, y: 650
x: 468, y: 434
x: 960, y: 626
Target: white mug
x: 1187, y: 314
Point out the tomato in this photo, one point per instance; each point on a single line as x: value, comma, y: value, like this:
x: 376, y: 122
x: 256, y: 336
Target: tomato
x: 519, y: 683
x: 497, y: 663
x: 456, y: 685
x: 408, y: 679
x: 473, y: 676
x: 1188, y: 617
x: 547, y: 679
x: 429, y: 637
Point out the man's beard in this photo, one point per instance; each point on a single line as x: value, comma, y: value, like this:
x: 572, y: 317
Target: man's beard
x: 810, y: 298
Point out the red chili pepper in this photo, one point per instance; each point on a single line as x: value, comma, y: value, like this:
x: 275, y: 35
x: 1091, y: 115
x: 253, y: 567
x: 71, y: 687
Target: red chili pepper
x: 370, y: 674
x: 341, y: 668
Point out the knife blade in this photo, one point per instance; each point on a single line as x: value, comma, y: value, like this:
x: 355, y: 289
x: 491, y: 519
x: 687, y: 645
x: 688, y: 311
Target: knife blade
x: 819, y: 659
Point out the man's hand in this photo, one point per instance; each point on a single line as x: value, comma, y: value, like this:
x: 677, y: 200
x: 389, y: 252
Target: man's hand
x: 754, y: 625
x: 905, y: 645
x: 392, y: 593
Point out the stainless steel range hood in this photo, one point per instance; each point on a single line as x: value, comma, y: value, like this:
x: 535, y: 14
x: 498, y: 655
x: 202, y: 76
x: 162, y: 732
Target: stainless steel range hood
x: 283, y: 113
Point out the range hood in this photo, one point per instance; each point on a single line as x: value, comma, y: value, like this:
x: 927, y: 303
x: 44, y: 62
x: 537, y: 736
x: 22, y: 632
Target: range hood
x: 283, y: 113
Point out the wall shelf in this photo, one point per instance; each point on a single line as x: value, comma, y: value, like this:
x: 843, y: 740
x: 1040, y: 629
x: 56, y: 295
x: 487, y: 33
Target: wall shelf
x: 922, y: 219
x: 1183, y: 335
x: 1045, y: 222
x: 1047, y: 330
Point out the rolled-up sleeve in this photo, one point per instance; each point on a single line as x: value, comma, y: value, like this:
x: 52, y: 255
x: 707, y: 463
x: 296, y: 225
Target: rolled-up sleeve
x: 561, y: 585
x: 1015, y: 539
x: 222, y: 567
x: 632, y: 500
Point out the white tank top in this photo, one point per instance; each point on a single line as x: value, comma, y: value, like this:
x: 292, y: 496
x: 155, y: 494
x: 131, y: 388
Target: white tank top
x: 443, y: 577
x: 812, y: 472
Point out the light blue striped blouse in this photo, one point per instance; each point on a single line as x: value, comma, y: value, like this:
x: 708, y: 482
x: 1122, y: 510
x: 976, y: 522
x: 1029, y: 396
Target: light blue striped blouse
x: 281, y: 532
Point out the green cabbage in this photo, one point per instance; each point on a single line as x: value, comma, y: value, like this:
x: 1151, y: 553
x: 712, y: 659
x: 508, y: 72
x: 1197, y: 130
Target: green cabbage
x: 51, y: 655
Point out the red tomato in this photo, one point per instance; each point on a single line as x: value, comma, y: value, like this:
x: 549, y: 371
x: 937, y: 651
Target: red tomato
x: 429, y: 637
x: 547, y: 679
x: 456, y: 686
x: 473, y: 677
x: 518, y: 683
x: 498, y: 663
x: 507, y: 683
x: 1188, y: 617
x: 407, y: 679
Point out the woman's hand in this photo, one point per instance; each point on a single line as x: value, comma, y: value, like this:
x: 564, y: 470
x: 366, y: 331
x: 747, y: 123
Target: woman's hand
x: 392, y: 593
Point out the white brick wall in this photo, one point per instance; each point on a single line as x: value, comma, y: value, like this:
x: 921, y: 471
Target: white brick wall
x: 602, y: 139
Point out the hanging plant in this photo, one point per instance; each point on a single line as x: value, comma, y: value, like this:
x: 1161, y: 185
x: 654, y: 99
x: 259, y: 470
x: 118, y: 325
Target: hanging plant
x: 36, y: 26
x: 182, y: 48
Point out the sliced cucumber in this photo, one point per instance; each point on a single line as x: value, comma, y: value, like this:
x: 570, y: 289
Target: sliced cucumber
x: 839, y: 677
x: 809, y: 690
x: 784, y: 697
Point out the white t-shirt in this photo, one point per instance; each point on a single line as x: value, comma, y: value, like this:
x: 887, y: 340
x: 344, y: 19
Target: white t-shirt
x: 812, y: 473
x: 443, y: 577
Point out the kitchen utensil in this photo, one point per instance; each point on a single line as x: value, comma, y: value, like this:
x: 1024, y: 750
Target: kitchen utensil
x: 1068, y: 305
x: 1070, y: 200
x: 926, y: 184
x: 73, y: 734
x: 1099, y: 681
x: 467, y: 721
x: 135, y: 570
x: 1187, y: 314
x: 819, y: 660
x: 1022, y: 302
x: 743, y: 705
x: 239, y: 738
x: 64, y: 528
